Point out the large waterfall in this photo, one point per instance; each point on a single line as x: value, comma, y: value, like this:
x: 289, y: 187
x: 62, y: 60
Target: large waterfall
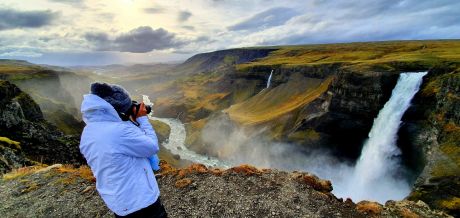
x: 374, y: 174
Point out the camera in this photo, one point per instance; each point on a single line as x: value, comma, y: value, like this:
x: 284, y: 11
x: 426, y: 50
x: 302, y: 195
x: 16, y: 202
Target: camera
x: 126, y: 115
x: 138, y: 105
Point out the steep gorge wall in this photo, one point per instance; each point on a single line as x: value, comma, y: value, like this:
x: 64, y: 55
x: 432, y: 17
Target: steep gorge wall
x: 430, y: 139
x: 58, y: 94
x: 21, y: 120
x: 340, y: 118
x: 355, y: 100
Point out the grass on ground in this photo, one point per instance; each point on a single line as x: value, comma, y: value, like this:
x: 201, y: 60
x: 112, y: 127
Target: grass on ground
x: 363, y: 55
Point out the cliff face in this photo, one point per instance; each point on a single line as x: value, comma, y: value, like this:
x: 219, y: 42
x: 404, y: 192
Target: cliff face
x: 21, y: 120
x: 58, y: 93
x: 354, y: 101
x: 11, y: 155
x: 431, y: 134
x: 338, y: 114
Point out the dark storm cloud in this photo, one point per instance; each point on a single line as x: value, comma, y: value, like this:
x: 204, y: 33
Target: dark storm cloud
x: 184, y: 16
x: 140, y: 40
x: 269, y: 18
x: 145, y: 39
x: 154, y: 10
x: 12, y: 19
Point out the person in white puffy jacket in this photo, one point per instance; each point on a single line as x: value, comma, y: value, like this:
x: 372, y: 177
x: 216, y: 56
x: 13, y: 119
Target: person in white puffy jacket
x: 117, y: 152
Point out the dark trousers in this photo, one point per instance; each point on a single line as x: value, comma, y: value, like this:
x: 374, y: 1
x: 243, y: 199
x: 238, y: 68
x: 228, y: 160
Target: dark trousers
x: 155, y: 210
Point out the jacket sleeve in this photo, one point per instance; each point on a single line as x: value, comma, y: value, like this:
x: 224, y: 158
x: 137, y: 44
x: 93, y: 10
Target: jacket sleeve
x: 139, y: 141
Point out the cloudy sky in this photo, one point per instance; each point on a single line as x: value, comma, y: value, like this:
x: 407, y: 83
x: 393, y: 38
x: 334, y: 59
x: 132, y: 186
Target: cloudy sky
x: 96, y: 32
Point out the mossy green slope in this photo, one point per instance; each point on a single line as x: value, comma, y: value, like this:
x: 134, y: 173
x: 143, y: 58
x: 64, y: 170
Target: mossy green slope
x: 270, y: 104
x: 386, y: 56
x: 439, y: 185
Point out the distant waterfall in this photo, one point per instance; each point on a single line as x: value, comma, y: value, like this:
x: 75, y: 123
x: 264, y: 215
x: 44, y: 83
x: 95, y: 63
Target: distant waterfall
x: 269, y: 79
x: 373, y: 177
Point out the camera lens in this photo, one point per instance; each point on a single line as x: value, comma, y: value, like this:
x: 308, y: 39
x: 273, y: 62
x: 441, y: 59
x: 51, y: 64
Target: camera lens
x: 148, y: 108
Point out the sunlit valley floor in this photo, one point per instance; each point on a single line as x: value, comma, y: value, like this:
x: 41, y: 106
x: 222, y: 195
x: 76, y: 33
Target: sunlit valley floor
x: 315, y: 108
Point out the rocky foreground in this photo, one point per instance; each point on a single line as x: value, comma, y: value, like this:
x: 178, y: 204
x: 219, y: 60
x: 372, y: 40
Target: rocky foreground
x: 196, y: 191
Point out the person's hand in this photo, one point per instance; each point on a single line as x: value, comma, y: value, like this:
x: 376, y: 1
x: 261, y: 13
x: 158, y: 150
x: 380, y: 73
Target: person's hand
x: 142, y: 111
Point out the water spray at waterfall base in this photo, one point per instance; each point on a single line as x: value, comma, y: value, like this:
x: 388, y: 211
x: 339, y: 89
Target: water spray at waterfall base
x: 374, y: 176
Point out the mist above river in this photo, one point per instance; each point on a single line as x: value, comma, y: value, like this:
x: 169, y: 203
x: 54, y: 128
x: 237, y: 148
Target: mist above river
x: 377, y: 175
x: 238, y: 146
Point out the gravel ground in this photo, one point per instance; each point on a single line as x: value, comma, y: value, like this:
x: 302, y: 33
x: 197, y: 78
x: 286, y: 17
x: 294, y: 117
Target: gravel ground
x: 198, y: 192
x: 233, y: 194
x: 50, y: 194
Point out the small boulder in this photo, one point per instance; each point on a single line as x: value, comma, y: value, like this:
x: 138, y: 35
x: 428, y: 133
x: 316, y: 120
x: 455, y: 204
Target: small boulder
x: 369, y: 208
x: 183, y: 183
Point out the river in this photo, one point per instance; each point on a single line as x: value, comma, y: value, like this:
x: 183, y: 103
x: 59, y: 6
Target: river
x: 176, y: 142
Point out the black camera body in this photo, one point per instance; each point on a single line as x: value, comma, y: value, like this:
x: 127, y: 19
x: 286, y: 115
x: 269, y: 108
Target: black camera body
x: 125, y: 116
x: 138, y: 107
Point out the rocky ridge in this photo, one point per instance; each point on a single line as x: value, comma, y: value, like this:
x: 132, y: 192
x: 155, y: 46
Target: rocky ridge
x: 196, y: 191
x: 21, y: 121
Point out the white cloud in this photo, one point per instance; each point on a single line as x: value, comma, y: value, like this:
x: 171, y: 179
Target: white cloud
x: 210, y: 25
x: 139, y: 40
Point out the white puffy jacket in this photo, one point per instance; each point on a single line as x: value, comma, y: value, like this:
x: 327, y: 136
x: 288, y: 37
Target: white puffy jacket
x: 117, y: 152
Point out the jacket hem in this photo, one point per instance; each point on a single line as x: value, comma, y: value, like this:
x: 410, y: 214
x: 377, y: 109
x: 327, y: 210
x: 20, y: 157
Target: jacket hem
x: 148, y: 203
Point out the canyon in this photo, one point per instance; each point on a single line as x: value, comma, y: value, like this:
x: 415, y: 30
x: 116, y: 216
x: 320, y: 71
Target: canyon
x: 321, y: 99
